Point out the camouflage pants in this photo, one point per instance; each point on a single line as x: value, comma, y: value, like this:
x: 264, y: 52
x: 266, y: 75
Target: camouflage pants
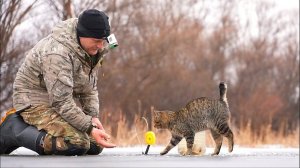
x: 45, y: 118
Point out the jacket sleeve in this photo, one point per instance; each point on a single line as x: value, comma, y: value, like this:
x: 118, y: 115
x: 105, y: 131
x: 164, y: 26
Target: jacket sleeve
x: 58, y: 76
x: 90, y: 101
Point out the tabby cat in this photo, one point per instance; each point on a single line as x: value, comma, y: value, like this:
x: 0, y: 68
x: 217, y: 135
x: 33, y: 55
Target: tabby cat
x: 198, y: 115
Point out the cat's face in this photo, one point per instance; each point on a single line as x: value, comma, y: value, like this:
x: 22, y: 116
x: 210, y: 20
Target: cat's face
x: 161, y: 119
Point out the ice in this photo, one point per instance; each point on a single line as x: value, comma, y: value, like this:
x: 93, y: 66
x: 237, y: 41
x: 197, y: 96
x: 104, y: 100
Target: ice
x: 263, y: 156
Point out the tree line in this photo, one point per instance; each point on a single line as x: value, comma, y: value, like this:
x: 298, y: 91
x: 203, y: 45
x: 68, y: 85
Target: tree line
x: 171, y: 52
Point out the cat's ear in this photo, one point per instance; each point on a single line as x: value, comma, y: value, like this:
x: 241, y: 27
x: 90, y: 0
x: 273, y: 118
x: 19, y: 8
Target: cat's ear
x: 155, y: 112
x: 170, y: 112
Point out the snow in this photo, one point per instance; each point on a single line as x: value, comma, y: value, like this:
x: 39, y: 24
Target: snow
x: 265, y: 156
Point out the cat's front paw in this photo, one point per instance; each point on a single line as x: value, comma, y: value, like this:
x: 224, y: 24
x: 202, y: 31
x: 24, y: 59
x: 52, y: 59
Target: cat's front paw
x: 189, y: 152
x: 163, y: 152
x: 182, y: 149
x: 196, y: 153
x: 230, y: 149
x: 199, y: 150
x: 215, y: 154
x: 185, y: 152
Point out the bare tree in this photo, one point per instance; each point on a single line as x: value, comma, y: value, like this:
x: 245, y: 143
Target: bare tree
x: 171, y: 52
x: 267, y: 71
x: 12, y: 14
x: 62, y: 8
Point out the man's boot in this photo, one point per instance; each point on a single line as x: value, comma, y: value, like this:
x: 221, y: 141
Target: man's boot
x: 94, y: 149
x: 16, y: 133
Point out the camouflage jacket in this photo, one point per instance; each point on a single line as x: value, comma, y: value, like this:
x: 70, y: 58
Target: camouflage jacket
x: 57, y: 70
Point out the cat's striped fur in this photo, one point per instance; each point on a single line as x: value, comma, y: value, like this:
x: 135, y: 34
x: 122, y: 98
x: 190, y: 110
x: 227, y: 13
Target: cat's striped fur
x: 198, y: 115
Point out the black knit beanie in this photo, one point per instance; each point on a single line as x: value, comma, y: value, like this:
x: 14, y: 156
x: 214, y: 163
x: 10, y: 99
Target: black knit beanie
x: 93, y: 23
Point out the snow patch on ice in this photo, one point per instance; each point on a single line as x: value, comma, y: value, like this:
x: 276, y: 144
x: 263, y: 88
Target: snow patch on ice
x: 267, y: 150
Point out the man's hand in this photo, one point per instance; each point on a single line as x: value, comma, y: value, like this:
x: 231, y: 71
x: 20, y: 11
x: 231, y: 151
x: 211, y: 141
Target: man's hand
x: 101, y: 138
x: 96, y: 122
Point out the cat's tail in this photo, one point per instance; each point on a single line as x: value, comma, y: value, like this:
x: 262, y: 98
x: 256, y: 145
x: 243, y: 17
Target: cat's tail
x: 223, y: 91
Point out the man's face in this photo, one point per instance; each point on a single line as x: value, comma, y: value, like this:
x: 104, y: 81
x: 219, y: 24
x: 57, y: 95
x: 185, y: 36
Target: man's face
x: 92, y: 45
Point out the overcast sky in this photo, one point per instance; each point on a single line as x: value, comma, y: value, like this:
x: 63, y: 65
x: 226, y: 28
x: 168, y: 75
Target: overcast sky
x: 286, y: 4
x: 246, y: 11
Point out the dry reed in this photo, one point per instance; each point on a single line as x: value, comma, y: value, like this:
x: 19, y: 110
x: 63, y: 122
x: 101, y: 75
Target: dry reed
x: 124, y: 135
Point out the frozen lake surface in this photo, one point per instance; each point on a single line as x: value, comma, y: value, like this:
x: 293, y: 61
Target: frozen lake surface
x: 269, y: 156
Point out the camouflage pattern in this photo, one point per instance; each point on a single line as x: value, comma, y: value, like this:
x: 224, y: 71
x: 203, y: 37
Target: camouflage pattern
x: 55, y: 72
x: 45, y: 118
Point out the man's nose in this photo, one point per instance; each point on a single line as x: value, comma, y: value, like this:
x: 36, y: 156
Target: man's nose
x: 100, y: 45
